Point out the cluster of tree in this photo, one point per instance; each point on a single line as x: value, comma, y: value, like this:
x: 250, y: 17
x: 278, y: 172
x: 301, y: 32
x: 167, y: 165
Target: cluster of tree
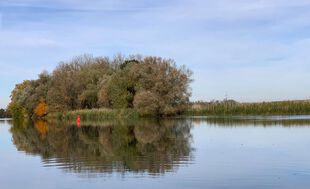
x: 4, y: 113
x: 150, y: 85
x: 144, y: 146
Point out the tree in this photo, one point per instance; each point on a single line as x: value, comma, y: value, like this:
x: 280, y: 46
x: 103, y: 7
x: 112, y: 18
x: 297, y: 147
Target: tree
x: 19, y: 97
x: 74, y: 84
x: 147, y: 103
x: 41, y: 109
x: 165, y: 81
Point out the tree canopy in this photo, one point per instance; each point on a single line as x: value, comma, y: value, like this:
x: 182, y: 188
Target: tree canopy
x: 150, y: 85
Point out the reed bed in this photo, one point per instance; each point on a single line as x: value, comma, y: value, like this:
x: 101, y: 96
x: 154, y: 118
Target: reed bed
x: 96, y: 114
x: 301, y: 107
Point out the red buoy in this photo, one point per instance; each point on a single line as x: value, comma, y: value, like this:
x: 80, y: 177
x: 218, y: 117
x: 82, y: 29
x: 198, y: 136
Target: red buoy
x: 78, y: 121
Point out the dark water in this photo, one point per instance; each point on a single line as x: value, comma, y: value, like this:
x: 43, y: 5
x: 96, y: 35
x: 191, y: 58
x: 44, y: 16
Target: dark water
x: 200, y: 152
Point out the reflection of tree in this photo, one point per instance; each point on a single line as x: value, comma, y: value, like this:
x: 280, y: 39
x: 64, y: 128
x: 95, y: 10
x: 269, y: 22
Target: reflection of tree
x: 147, y: 146
x: 41, y: 127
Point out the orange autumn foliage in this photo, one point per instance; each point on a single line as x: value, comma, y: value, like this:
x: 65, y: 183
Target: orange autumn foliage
x: 41, y: 109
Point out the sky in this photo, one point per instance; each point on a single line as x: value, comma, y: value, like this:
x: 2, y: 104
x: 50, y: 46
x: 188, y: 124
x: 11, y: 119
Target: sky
x: 247, y: 50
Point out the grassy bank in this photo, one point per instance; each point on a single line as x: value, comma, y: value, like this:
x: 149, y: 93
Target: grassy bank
x: 230, y: 107
x: 95, y: 114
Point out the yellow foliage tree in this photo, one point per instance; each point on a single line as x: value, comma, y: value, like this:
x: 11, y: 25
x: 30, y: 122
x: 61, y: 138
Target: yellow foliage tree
x: 41, y: 109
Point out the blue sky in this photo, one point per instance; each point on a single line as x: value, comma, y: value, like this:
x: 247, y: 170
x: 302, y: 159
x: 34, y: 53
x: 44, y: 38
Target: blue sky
x: 251, y: 50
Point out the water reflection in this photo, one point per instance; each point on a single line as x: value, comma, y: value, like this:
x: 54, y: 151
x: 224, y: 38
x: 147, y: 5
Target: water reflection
x: 237, y: 121
x: 229, y: 152
x: 145, y: 146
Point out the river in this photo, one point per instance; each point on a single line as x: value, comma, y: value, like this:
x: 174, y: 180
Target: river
x: 194, y: 152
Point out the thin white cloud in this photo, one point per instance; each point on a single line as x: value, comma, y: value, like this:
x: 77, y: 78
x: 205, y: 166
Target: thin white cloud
x: 20, y: 39
x: 1, y: 17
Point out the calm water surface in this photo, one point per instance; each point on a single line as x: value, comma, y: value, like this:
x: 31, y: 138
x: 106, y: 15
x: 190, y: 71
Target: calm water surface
x: 198, y: 152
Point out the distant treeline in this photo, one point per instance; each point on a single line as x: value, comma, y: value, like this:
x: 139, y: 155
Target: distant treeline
x: 231, y: 107
x: 148, y: 85
x: 4, y: 113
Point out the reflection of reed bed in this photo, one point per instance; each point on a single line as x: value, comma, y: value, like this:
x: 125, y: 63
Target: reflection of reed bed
x: 4, y: 120
x: 250, y: 121
x: 114, y: 122
x: 146, y: 146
